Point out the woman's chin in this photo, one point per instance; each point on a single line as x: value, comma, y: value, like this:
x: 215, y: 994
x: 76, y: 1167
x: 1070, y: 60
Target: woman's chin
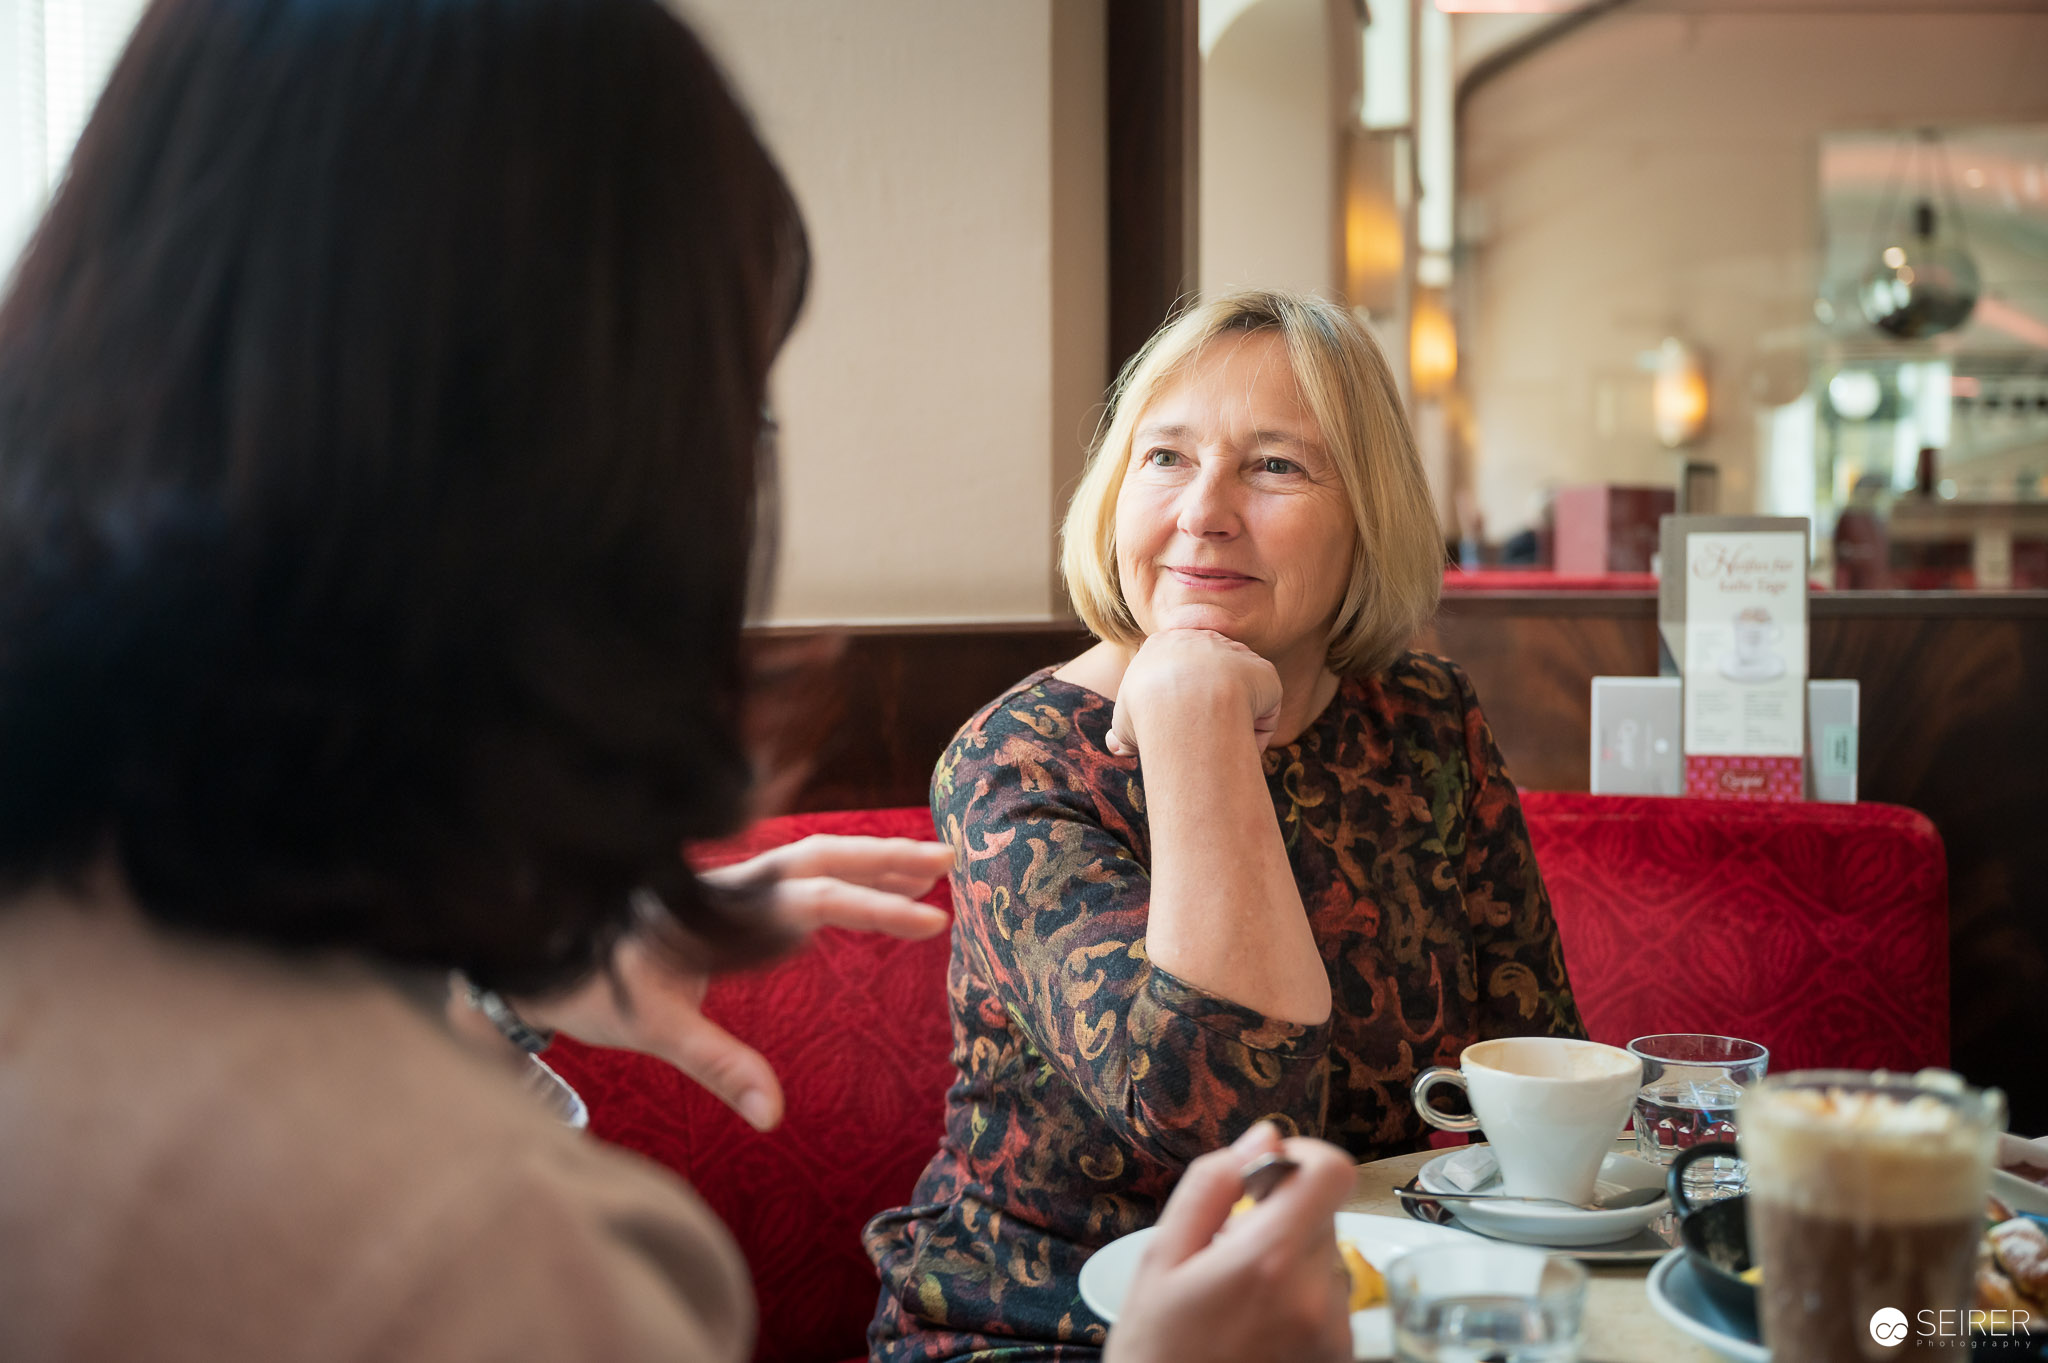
x: 1226, y: 623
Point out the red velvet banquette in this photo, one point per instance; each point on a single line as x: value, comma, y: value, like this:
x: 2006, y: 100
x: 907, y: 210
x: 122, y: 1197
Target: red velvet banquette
x: 1819, y: 930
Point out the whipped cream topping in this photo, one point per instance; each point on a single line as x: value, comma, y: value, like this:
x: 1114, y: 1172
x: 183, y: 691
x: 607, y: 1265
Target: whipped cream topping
x: 1867, y: 1155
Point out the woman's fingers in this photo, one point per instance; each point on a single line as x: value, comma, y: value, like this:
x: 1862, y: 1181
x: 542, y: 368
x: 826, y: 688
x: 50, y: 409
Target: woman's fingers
x: 1267, y: 1290
x: 1201, y: 1202
x: 867, y: 884
x: 1300, y: 1215
x: 1192, y: 667
x: 666, y: 1020
x: 662, y: 1017
x: 1119, y: 741
x: 729, y: 1067
x: 904, y: 866
x: 820, y: 901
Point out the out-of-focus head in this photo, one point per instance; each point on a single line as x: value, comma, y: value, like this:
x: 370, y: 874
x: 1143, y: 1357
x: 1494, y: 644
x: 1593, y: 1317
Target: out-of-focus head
x: 380, y: 474
x: 1257, y: 476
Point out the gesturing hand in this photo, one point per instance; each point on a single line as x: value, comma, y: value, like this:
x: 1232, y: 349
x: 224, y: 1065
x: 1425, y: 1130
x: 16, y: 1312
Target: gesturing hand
x: 1268, y: 1291
x: 1196, y: 674
x: 868, y: 884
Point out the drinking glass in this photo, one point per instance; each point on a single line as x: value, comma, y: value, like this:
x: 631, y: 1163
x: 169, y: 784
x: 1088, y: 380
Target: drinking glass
x: 1866, y: 1204
x: 1690, y: 1084
x: 1485, y: 1303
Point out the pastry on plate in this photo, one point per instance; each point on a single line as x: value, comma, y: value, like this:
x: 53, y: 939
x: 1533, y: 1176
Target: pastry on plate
x: 2012, y: 1264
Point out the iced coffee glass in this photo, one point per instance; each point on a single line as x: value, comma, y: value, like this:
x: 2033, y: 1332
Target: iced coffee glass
x: 1866, y: 1201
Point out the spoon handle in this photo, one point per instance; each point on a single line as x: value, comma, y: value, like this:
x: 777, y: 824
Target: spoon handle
x: 1266, y: 1173
x: 1417, y: 1194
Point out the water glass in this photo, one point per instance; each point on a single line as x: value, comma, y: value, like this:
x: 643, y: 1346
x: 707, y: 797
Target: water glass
x: 1690, y: 1085
x: 1485, y: 1303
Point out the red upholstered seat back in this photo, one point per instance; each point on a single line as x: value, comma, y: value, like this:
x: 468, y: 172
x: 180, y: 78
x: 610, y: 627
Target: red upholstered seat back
x: 1819, y: 930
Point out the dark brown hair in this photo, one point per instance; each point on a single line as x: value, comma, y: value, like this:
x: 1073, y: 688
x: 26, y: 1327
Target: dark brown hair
x: 380, y: 465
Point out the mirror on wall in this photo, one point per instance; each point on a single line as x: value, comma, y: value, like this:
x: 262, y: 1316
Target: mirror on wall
x: 1925, y: 418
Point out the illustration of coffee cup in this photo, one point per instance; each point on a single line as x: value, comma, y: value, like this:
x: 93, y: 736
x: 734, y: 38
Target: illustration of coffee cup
x: 1755, y: 655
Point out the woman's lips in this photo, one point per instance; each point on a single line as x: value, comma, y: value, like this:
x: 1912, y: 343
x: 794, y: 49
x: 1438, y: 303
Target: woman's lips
x: 1209, y: 579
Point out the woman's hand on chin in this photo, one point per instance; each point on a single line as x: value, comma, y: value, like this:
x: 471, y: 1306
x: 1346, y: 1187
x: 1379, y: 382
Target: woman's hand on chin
x: 1192, y: 677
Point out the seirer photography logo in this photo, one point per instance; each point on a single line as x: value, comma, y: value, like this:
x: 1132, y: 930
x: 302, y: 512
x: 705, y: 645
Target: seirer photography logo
x: 1982, y: 1329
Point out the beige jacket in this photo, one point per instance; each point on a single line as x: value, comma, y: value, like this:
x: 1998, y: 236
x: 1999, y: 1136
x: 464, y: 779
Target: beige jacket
x: 210, y: 1153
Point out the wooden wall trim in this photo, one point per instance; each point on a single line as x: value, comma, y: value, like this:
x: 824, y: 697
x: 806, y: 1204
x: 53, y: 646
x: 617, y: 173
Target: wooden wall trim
x: 1820, y: 606
x: 2028, y: 605
x: 1930, y: 606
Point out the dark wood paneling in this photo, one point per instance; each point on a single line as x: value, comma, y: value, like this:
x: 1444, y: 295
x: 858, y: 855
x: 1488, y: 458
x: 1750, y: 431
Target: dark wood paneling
x: 1153, y: 64
x: 1955, y: 724
x: 1534, y: 674
x: 893, y: 699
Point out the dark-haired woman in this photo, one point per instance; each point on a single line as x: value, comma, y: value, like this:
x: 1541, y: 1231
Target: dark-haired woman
x: 380, y: 416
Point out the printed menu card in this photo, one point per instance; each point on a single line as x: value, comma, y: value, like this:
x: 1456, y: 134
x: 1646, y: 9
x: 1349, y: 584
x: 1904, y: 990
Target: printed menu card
x: 1732, y: 609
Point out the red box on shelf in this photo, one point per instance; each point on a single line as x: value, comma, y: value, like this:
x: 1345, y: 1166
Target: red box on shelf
x: 1602, y: 528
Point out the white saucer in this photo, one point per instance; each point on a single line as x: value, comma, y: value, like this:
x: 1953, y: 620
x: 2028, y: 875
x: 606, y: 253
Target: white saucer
x: 1107, y: 1275
x: 1555, y: 1226
x: 1679, y: 1298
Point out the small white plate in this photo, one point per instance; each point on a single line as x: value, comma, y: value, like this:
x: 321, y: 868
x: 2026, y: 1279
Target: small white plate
x: 2015, y: 1192
x: 1381, y: 1239
x: 1678, y: 1297
x: 1555, y: 1227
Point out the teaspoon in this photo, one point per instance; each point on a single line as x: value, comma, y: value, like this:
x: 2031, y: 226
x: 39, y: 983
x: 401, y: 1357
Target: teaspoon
x: 1633, y: 1197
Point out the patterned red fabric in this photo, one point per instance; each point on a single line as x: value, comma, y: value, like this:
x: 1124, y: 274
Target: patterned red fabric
x: 858, y: 1031
x: 1819, y: 930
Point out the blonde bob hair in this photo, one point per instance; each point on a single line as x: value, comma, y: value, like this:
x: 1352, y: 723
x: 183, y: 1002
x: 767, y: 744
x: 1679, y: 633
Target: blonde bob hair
x: 1397, y: 555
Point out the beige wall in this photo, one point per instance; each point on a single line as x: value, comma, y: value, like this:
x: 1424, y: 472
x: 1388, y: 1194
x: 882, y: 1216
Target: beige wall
x: 936, y: 395
x: 1655, y: 174
x: 1269, y: 151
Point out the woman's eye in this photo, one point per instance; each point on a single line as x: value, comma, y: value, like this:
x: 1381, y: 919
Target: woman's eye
x: 1162, y: 458
x: 1275, y: 464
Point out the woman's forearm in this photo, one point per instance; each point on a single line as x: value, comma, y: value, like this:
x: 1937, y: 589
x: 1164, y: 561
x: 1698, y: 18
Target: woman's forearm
x: 1226, y: 915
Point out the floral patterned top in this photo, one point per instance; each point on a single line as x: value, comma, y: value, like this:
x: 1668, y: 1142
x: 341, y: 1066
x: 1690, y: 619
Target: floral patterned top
x: 1089, y: 1078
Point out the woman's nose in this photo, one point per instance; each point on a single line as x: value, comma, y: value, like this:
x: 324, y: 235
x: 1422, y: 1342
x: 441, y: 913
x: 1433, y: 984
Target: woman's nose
x: 1208, y: 506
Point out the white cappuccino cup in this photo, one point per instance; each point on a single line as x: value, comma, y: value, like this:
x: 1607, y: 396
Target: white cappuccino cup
x: 1551, y: 1107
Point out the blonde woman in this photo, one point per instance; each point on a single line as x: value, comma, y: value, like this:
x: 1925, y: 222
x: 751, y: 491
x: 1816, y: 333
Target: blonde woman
x: 1247, y: 857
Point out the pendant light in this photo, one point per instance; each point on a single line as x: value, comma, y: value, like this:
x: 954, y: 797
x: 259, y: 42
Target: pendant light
x: 1925, y: 280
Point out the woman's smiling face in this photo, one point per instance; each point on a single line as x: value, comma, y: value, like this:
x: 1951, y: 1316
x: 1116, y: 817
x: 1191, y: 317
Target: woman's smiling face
x: 1232, y: 516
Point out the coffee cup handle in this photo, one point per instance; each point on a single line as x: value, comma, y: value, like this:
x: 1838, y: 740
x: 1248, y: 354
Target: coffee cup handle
x: 1674, y: 1178
x: 1428, y: 1080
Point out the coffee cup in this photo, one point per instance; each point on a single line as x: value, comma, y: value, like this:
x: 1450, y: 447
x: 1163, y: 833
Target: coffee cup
x: 1551, y: 1107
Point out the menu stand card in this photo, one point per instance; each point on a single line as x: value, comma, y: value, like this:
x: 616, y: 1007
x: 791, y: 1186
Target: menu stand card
x: 1732, y: 611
